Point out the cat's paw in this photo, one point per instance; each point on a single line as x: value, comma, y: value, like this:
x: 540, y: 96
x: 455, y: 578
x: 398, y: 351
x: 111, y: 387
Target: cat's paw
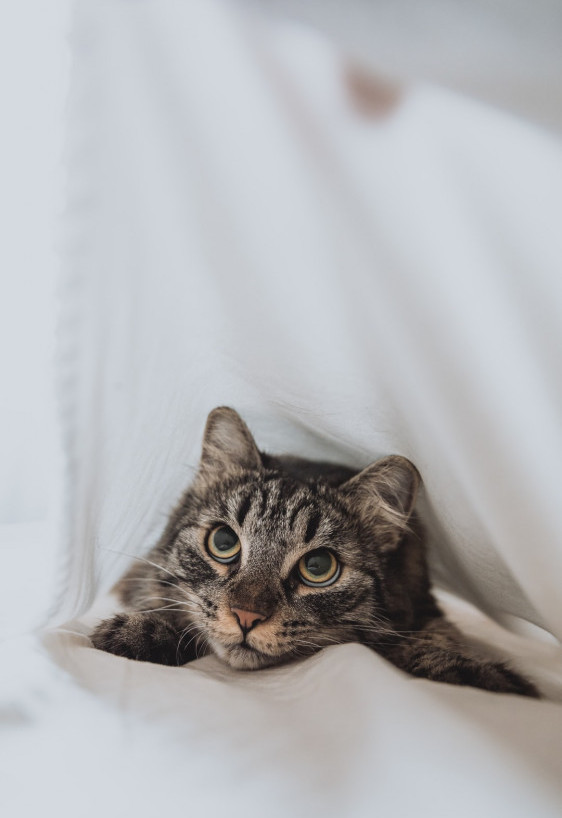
x: 495, y: 677
x: 438, y: 653
x: 457, y: 669
x: 142, y: 636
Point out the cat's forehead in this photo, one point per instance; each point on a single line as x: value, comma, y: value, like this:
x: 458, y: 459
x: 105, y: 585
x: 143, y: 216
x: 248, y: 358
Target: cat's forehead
x: 286, y: 506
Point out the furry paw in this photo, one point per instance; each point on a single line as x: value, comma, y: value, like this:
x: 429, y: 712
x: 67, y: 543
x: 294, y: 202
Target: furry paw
x: 437, y: 653
x: 455, y: 668
x: 141, y: 636
x: 495, y: 677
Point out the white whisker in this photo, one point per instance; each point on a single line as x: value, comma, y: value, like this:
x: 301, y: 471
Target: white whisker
x: 142, y: 559
x: 191, y: 627
x: 168, y: 608
x: 73, y: 633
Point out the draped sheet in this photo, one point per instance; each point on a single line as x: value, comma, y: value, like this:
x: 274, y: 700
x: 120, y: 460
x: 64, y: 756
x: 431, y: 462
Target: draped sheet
x: 241, y: 232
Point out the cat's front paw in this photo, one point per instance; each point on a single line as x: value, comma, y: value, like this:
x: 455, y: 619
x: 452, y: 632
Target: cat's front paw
x: 458, y: 669
x: 142, y: 636
x: 498, y: 678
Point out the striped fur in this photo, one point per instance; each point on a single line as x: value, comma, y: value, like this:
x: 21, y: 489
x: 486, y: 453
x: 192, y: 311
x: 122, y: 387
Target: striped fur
x: 180, y: 600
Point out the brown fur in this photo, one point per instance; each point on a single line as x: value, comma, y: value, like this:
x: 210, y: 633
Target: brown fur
x: 181, y: 599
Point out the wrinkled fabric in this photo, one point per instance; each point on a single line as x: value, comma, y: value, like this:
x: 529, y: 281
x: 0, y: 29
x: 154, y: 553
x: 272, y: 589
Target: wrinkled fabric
x: 239, y: 232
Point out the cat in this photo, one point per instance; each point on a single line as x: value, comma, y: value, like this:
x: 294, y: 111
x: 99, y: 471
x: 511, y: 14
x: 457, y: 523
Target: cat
x: 269, y: 558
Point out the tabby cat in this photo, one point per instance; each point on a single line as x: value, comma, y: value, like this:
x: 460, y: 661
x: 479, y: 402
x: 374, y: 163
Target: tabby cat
x: 270, y: 558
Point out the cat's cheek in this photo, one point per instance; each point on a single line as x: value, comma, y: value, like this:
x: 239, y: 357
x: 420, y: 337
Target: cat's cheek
x: 218, y: 649
x: 195, y: 568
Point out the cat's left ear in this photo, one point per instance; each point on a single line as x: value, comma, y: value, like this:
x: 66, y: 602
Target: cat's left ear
x: 384, y: 495
x: 228, y: 444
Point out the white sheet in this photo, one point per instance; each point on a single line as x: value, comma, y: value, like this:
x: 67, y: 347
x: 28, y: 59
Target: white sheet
x: 241, y: 234
x: 353, y: 287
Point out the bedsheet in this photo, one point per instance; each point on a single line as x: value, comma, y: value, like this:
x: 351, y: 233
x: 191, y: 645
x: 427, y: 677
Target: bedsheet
x: 342, y: 733
x: 242, y: 231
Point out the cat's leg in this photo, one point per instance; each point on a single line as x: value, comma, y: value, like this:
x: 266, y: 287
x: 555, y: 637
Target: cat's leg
x: 438, y: 652
x: 148, y: 637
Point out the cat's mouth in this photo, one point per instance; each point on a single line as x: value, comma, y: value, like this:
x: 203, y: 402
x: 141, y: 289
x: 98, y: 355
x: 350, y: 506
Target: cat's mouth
x: 243, y: 656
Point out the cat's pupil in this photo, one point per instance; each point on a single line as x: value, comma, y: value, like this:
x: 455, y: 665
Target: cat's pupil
x: 319, y: 563
x: 224, y: 539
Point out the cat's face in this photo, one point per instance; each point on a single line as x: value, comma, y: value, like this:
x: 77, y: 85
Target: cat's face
x: 273, y: 567
x: 274, y: 570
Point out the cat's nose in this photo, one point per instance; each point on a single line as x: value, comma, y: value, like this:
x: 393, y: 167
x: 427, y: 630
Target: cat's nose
x: 247, y: 619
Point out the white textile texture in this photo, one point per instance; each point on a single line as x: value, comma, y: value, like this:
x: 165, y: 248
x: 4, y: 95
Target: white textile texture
x: 241, y: 234
x: 241, y: 231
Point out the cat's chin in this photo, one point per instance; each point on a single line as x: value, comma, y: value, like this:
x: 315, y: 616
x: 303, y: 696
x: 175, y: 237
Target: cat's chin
x: 240, y: 657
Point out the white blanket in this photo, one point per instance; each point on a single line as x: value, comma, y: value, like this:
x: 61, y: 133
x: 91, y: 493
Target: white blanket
x: 242, y: 232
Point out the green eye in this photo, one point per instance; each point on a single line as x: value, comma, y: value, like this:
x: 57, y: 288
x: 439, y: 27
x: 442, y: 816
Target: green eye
x: 319, y: 568
x: 223, y: 544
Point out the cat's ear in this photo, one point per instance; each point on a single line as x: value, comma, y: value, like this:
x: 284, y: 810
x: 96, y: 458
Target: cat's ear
x: 384, y: 495
x: 227, y: 444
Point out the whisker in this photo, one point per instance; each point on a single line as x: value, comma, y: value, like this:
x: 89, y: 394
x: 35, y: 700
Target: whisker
x: 325, y: 640
x: 205, y: 644
x: 179, y: 645
x: 195, y: 635
x: 154, y: 580
x: 141, y: 559
x: 184, y: 633
x: 413, y: 634
x: 169, y: 608
x: 168, y: 599
x: 73, y: 633
x: 175, y: 604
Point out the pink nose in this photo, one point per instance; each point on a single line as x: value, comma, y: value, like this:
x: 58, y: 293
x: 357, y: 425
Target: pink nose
x: 247, y: 619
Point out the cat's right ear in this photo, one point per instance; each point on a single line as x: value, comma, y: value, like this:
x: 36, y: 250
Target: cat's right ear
x: 228, y: 445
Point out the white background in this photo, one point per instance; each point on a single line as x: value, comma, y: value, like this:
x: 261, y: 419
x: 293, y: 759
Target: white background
x: 34, y: 70
x: 34, y: 74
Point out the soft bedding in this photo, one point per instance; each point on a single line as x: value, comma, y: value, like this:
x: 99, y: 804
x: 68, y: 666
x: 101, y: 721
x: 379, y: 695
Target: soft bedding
x: 241, y: 232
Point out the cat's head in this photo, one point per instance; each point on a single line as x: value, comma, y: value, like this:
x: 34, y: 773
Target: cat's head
x: 278, y: 566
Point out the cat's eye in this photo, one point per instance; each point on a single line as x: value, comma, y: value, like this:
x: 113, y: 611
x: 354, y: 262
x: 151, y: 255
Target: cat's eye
x: 223, y: 544
x: 319, y: 568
